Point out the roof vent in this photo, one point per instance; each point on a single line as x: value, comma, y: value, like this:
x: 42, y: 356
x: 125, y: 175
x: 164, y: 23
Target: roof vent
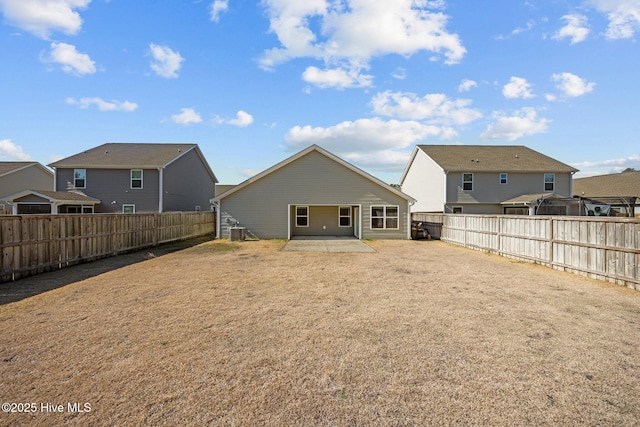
x: 517, y: 156
x: 106, y: 152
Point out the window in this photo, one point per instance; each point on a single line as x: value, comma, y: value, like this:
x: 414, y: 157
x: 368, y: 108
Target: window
x: 198, y: 208
x: 385, y: 217
x: 136, y: 178
x: 516, y: 210
x: 344, y: 216
x: 302, y: 216
x: 456, y: 209
x: 128, y: 208
x: 503, y: 178
x: 467, y: 181
x: 80, y: 178
x: 549, y: 182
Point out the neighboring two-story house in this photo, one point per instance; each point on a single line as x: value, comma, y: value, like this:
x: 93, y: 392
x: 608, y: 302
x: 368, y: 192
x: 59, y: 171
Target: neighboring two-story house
x: 481, y: 179
x: 136, y: 177
x: 16, y: 177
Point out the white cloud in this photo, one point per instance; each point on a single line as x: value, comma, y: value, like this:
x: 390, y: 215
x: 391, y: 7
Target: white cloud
x: 608, y: 165
x: 103, y: 105
x: 572, y: 85
x: 363, y: 136
x: 186, y: 117
x: 338, y: 78
x: 373, y: 143
x: 249, y: 172
x: 400, y: 73
x: 623, y: 15
x: 41, y: 17
x: 11, y: 151
x: 524, y: 122
x: 466, y: 85
x: 576, y: 29
x: 166, y: 62
x: 517, y: 88
x: 242, y: 119
x: 217, y: 7
x: 72, y: 61
x: 433, y: 108
x: 520, y: 30
x: 324, y: 30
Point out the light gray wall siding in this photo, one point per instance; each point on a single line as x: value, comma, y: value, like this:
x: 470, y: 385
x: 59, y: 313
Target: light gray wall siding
x: 31, y: 178
x: 313, y: 179
x: 487, y: 187
x: 323, y: 221
x: 110, y: 185
x: 187, y: 184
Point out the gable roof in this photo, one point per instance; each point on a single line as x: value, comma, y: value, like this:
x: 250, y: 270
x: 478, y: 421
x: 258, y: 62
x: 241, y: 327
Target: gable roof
x: 527, y: 199
x: 492, y: 158
x: 616, y: 184
x: 56, y: 196
x: 303, y: 153
x: 116, y: 155
x: 9, y: 167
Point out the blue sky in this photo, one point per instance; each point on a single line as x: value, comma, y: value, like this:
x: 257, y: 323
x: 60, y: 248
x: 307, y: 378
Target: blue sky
x: 254, y: 82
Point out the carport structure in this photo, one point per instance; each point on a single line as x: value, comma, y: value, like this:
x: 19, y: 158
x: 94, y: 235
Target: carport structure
x: 315, y: 193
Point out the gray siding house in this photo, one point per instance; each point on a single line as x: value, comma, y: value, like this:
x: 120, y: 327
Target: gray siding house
x: 131, y: 177
x: 16, y: 177
x: 481, y: 179
x: 314, y: 193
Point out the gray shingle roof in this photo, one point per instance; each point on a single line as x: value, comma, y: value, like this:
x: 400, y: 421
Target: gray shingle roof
x: 125, y: 155
x: 617, y: 184
x: 66, y: 196
x: 492, y: 158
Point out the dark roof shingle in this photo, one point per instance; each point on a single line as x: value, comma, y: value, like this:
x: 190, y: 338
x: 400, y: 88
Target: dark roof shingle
x: 492, y: 158
x: 125, y: 155
x: 617, y: 184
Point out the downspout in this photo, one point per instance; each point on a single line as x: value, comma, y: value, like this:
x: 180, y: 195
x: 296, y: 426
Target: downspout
x: 409, y: 204
x: 444, y: 195
x: 289, y: 222
x: 216, y: 206
x: 160, y: 186
x: 571, y: 185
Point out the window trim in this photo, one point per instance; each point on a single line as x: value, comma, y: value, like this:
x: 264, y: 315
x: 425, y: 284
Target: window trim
x: 127, y: 205
x: 506, y: 177
x: 467, y: 182
x: 302, y: 216
x: 84, y: 173
x: 384, y: 217
x: 132, y: 179
x: 340, y: 216
x: 552, y: 182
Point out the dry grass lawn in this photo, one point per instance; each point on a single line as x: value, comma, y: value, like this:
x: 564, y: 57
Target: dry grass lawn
x: 418, y: 333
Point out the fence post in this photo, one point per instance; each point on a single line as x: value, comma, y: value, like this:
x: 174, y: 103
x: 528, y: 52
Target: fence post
x: 551, y: 252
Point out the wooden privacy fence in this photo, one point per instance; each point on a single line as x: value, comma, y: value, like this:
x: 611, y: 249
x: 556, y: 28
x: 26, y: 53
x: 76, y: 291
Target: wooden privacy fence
x: 32, y: 244
x: 601, y: 248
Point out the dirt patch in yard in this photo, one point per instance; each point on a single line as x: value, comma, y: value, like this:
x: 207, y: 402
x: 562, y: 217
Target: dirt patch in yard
x: 417, y: 333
